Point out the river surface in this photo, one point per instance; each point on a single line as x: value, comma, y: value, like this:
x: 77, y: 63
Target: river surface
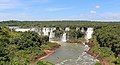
x: 71, y: 54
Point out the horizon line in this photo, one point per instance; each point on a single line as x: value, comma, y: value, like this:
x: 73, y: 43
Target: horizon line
x: 66, y: 20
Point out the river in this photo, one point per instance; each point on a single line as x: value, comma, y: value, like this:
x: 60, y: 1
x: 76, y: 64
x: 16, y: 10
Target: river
x: 71, y: 54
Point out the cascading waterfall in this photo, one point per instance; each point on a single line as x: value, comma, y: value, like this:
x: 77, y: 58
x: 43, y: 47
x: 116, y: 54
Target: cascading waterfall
x: 54, y: 29
x: 88, y: 36
x: 82, y: 30
x: 46, y: 31
x: 43, y: 30
x: 64, y: 38
x: 67, y: 29
x: 52, y: 34
x: 70, y: 54
x: 22, y: 30
x: 89, y: 33
x: 77, y: 28
x: 39, y: 31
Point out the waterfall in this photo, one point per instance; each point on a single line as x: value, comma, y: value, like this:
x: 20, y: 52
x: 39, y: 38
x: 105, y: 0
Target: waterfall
x: 64, y: 39
x: 67, y: 29
x: 46, y: 31
x: 39, y: 31
x: 13, y: 27
x: 43, y: 31
x: 22, y: 30
x: 54, y: 29
x: 52, y: 34
x: 77, y: 28
x: 89, y: 33
x: 82, y: 30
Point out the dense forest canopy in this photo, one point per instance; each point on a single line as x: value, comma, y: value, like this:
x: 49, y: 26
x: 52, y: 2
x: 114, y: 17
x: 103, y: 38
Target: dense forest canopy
x: 106, y: 38
x: 58, y: 23
x: 20, y: 48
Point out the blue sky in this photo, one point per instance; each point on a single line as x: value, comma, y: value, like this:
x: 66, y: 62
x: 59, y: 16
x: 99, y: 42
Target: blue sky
x: 60, y: 10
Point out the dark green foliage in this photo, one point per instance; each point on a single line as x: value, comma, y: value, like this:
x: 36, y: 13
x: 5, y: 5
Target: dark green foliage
x: 102, y: 53
x: 75, y: 34
x: 98, y: 63
x: 58, y: 33
x: 109, y: 37
x: 117, y: 62
x: 18, y: 48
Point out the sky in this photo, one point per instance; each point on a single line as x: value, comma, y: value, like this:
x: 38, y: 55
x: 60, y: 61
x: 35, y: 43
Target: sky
x: 104, y: 10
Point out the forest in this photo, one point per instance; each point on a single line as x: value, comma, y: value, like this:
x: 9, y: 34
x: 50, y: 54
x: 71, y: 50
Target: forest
x: 16, y: 47
x: 19, y: 48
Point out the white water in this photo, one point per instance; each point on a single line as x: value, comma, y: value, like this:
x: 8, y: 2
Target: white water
x: 22, y: 30
x: 64, y: 38
x: 77, y: 28
x: 54, y: 29
x: 89, y: 34
x: 13, y: 27
x: 32, y: 29
x: 82, y: 30
x: 52, y: 34
x: 71, y: 54
x: 67, y: 29
x: 39, y: 31
x: 46, y: 31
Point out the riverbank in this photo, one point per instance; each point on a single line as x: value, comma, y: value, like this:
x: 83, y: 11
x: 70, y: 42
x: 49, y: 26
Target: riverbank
x: 48, y: 52
x: 97, y: 52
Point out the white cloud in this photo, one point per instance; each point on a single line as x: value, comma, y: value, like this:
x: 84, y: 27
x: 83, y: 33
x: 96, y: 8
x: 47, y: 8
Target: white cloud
x: 93, y: 12
x: 97, y: 6
x: 55, y: 9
